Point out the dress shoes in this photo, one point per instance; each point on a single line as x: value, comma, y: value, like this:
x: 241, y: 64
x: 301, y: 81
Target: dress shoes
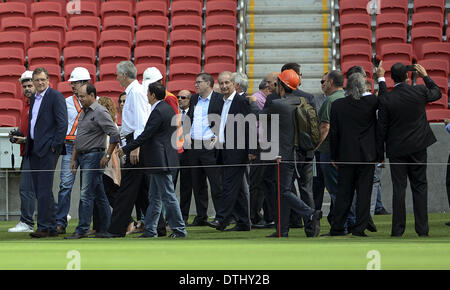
x: 334, y: 234
x: 371, y: 227
x: 358, y: 234
x: 213, y: 224
x: 315, y: 220
x: 198, y: 223
x: 61, y: 230
x: 148, y: 237
x: 107, y: 235
x: 176, y: 236
x: 239, y: 228
x: 43, y: 234
x: 76, y: 236
x: 382, y: 211
x: 276, y: 235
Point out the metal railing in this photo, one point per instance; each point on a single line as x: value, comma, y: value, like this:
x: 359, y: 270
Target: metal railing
x: 242, y: 39
x: 333, y: 34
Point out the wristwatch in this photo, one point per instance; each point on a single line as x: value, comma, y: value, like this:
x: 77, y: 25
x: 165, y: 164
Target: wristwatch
x: 108, y: 156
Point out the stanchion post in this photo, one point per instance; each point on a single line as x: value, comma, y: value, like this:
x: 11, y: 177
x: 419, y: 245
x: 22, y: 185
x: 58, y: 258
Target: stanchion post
x: 279, y: 196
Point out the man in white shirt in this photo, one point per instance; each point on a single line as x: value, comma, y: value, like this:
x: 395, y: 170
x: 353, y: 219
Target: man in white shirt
x: 135, y: 182
x: 78, y: 77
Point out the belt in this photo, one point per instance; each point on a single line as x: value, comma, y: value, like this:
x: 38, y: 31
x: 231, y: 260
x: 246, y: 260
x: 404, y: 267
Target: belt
x: 91, y: 150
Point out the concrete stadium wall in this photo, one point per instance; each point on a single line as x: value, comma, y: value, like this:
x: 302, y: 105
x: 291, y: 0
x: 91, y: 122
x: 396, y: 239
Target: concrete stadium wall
x: 437, y: 196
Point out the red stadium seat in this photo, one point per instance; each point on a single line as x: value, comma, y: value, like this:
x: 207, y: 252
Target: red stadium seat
x: 143, y: 66
x: 187, y: 22
x: 185, y: 54
x: 221, y: 8
x: 133, y: 3
x: 397, y: 6
x: 167, y: 2
x: 436, y: 50
x: 65, y: 89
x: 438, y: 115
x: 79, y: 55
x: 220, y: 54
x: 46, y: 39
x: 54, y: 73
x: 46, y: 9
x: 118, y: 23
x: 42, y: 56
x: 92, y: 69
x: 437, y: 6
x: 367, y: 66
x: 85, y: 9
x: 81, y: 38
x: 9, y: 90
x: 435, y: 68
x: 187, y: 8
x: 151, y: 8
x: 84, y: 23
x: 176, y: 86
x: 113, y: 54
x: 351, y: 53
x: 12, y: 56
x: 116, y: 38
x: 116, y: 8
x: 420, y: 36
x: 215, y: 68
x: 14, y: 39
x: 155, y: 38
x: 52, y: 23
x: 427, y: 19
x: 392, y: 20
x: 63, y: 4
x: 350, y: 21
x: 353, y: 36
x: 13, y: 9
x: 186, y: 37
x: 153, y: 23
x: 353, y: 7
x: 150, y: 54
x: 9, y: 121
x: 402, y: 52
x: 11, y: 107
x: 184, y: 71
x: 388, y: 36
x: 11, y: 73
x: 220, y: 37
x: 108, y: 72
x: 110, y: 89
x: 21, y: 24
x: 221, y: 22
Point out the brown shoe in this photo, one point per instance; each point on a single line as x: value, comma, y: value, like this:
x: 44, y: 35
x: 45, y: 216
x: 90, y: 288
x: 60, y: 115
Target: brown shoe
x: 60, y: 229
x: 43, y: 234
x: 131, y: 228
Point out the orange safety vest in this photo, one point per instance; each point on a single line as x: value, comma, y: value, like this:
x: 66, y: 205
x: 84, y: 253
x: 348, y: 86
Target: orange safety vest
x: 180, y: 138
x: 72, y: 135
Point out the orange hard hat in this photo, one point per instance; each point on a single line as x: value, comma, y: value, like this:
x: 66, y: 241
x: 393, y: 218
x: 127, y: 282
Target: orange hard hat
x: 290, y: 78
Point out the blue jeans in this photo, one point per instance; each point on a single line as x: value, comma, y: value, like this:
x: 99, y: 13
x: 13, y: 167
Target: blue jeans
x: 161, y: 191
x: 27, y: 194
x: 377, y: 189
x: 92, y: 189
x: 65, y: 188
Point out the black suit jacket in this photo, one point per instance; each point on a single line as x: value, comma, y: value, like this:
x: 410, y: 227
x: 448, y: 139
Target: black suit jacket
x: 353, y: 130
x: 155, y: 141
x: 402, y: 120
x: 215, y: 107
x: 51, y: 125
x: 233, y: 155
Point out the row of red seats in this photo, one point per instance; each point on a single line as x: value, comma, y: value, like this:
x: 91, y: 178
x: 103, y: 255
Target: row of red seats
x: 347, y: 7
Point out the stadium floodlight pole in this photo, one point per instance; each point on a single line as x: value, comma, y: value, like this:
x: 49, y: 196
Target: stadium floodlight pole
x: 279, y: 197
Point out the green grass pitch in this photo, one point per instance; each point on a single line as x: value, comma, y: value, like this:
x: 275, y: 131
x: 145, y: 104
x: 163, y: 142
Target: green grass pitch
x: 207, y: 249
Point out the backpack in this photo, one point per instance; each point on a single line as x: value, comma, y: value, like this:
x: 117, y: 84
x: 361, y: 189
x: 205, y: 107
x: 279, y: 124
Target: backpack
x: 307, y: 133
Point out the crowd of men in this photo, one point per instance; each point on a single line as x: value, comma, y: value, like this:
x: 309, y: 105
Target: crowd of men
x: 247, y: 151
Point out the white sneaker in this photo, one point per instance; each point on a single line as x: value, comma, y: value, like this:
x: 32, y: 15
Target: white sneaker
x: 21, y: 228
x: 68, y: 217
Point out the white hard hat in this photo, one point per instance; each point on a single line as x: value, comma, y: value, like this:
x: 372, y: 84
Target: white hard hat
x: 27, y: 75
x: 79, y: 74
x: 151, y: 75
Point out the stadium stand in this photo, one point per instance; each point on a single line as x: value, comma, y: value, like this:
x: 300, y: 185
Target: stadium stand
x: 397, y: 6
x: 392, y: 20
x: 21, y: 24
x: 11, y: 73
x: 188, y: 22
x: 11, y: 107
x: 401, y: 52
x: 116, y: 38
x: 184, y: 71
x: 113, y: 54
x: 14, y: 56
x: 52, y: 23
x: 153, y: 23
x: 220, y: 22
x: 13, y: 39
x: 219, y: 54
x: 43, y: 56
x: 221, y: 8
x: 155, y: 38
x: 187, y: 8
x: 8, y: 90
x: 149, y: 54
x: 185, y: 54
x: 352, y: 7
x: 116, y: 8
x: 356, y: 53
x: 389, y: 36
x: 350, y: 21
x: 45, y: 9
x: 436, y: 50
x: 91, y: 23
x: 186, y: 37
x: 13, y: 9
x: 220, y: 37
x: 81, y: 38
x: 46, y: 39
x: 435, y: 6
x: 79, y: 55
x: 422, y: 35
x: 108, y: 72
x: 151, y: 8
x: 110, y: 89
x: 86, y: 9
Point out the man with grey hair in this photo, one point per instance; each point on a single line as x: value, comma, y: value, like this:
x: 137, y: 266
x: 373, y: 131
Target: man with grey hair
x: 240, y: 81
x: 353, y: 153
x: 135, y: 182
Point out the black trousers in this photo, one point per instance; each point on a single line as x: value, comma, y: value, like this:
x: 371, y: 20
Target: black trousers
x: 318, y: 184
x: 111, y: 190
x: 417, y: 175
x: 448, y: 180
x: 351, y: 178
x: 256, y: 190
x: 205, y: 157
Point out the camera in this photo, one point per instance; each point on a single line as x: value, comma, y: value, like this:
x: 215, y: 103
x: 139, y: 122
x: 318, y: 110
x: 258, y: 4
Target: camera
x: 13, y: 133
x: 410, y: 68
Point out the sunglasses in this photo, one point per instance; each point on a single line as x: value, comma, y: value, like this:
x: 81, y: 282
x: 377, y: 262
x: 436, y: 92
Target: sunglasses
x: 322, y: 81
x: 121, y: 101
x: 181, y: 97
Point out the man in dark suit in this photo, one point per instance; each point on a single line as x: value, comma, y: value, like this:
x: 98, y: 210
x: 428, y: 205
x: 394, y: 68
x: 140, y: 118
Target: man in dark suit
x: 46, y: 130
x: 285, y: 108
x: 235, y: 189
x: 156, y: 139
x: 403, y: 126
x: 204, y: 112
x: 352, y: 140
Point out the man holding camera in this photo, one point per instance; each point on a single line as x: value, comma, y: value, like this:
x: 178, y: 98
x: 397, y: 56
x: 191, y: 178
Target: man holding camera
x: 403, y: 126
x: 27, y: 195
